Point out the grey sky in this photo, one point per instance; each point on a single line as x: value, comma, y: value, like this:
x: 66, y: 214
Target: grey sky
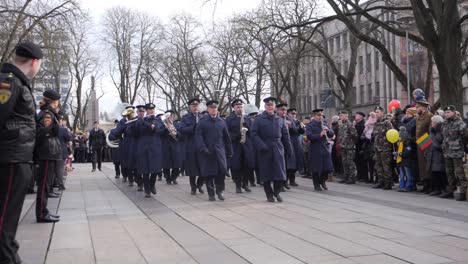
x: 163, y: 9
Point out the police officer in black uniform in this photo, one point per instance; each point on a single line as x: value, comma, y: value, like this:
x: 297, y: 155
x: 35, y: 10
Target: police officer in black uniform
x: 17, y: 138
x: 47, y: 152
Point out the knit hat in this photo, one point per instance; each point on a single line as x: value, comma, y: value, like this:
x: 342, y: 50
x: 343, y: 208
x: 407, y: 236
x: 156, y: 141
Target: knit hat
x: 411, y: 111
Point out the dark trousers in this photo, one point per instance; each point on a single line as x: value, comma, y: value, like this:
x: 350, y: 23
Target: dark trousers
x: 171, y: 174
x: 439, y: 180
x: 362, y: 169
x: 129, y: 174
x: 306, y: 163
x: 14, y: 179
x: 251, y: 176
x: 45, y: 173
x: 291, y: 174
x: 241, y: 177
x: 117, y: 168
x: 195, y: 182
x: 97, y: 157
x: 149, y: 181
x: 80, y: 155
x: 275, y: 191
x: 212, y: 182
x: 318, y: 179
x: 59, y: 173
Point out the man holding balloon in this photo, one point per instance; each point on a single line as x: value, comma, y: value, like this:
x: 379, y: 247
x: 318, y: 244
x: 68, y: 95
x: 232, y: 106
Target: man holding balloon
x: 383, y: 149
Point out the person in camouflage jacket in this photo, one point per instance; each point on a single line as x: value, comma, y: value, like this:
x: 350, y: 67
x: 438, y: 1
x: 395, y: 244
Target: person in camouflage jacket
x: 347, y: 139
x: 382, y: 150
x: 453, y: 131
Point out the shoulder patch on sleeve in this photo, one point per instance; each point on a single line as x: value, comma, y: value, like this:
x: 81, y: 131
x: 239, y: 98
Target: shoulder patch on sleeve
x: 5, y: 96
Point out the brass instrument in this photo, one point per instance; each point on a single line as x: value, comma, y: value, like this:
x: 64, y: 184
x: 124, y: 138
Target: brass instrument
x: 111, y: 143
x: 170, y: 126
x: 243, y: 130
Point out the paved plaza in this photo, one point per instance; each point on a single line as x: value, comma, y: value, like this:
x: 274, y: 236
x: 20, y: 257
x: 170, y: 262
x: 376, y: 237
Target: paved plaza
x: 104, y: 221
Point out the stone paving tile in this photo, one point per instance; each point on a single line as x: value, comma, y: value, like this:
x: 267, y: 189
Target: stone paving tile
x: 113, y: 223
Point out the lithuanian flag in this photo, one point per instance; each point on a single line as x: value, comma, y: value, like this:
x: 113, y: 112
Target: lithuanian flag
x: 400, y: 151
x: 424, y: 141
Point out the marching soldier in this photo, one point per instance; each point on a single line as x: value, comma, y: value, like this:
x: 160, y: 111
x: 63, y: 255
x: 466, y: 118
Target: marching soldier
x: 320, y: 161
x: 172, y: 158
x: 382, y: 150
x: 296, y: 129
x: 347, y: 139
x: 188, y: 125
x: 453, y: 131
x: 17, y: 113
x: 281, y: 110
x: 242, y: 163
x: 47, y: 152
x: 116, y: 155
x: 214, y: 145
x: 121, y: 133
x: 135, y: 148
x: 150, y: 155
x: 271, y: 140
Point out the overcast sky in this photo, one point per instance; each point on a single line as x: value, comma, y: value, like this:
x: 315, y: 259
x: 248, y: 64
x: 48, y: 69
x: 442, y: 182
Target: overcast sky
x: 163, y: 9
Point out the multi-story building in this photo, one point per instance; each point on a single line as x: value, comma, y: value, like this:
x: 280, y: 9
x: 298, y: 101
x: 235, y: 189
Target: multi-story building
x: 374, y: 83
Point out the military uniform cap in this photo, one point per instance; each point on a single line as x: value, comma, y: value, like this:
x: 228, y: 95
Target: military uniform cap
x: 212, y: 103
x: 292, y: 110
x: 253, y: 114
x: 343, y: 112
x: 194, y: 101
x: 318, y: 110
x: 129, y: 107
x: 51, y: 94
x: 169, y: 111
x: 29, y: 50
x: 450, y: 108
x: 281, y: 105
x: 140, y: 106
x: 270, y: 100
x: 236, y: 102
x: 379, y: 108
x: 150, y: 106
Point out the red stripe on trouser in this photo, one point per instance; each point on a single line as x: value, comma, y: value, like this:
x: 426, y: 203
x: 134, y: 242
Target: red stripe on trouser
x: 7, y: 197
x: 44, y: 183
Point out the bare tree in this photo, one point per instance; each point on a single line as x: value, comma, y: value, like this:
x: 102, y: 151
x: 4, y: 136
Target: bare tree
x: 19, y: 18
x: 132, y: 37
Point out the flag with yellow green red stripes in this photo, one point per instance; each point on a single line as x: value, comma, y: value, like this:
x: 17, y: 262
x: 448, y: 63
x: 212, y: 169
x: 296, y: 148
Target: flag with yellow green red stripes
x: 424, y: 141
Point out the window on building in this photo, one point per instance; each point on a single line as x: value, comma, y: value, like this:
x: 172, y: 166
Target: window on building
x: 369, y: 92
x: 338, y: 66
x: 330, y: 46
x: 345, y: 40
x: 368, y: 62
x: 320, y: 77
x: 377, y: 89
x: 354, y: 89
x: 338, y: 43
x: 376, y: 60
x: 361, y: 66
x: 362, y: 93
x: 309, y: 80
x: 346, y: 66
x: 314, y: 77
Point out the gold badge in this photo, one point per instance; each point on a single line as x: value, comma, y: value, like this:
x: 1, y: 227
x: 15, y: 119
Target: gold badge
x: 4, y: 96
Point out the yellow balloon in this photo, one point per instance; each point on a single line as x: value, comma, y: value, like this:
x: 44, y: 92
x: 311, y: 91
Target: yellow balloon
x: 392, y: 136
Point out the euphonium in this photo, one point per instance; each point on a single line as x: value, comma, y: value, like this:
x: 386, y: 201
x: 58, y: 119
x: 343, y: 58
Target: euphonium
x: 243, y: 130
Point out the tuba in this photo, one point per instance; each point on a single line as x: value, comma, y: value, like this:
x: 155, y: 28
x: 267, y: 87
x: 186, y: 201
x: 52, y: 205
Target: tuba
x: 170, y: 126
x: 111, y: 143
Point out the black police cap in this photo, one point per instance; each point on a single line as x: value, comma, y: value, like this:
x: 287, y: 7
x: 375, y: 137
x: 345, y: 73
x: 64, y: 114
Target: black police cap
x: 236, y: 102
x: 150, y: 106
x: 129, y: 107
x: 212, y: 103
x: 169, y: 111
x: 318, y: 110
x: 270, y: 100
x: 29, y: 50
x: 361, y: 114
x: 140, y: 106
x: 51, y: 94
x: 194, y: 101
x: 292, y: 110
